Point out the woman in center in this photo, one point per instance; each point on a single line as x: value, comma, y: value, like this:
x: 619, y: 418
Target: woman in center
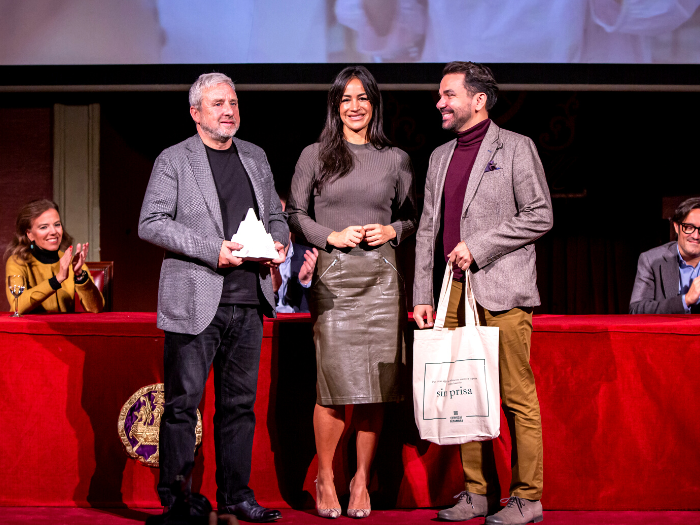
x: 362, y: 195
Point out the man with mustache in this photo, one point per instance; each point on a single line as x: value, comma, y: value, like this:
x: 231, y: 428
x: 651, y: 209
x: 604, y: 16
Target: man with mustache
x: 486, y: 202
x: 210, y: 302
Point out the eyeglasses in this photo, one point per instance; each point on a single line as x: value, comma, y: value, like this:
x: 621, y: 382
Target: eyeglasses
x: 688, y: 228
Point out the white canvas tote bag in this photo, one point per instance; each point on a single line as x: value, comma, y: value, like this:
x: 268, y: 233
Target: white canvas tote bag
x: 455, y: 376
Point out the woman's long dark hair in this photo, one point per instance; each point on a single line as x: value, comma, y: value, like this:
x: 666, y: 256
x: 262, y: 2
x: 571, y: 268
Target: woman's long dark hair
x: 335, y: 157
x: 20, y: 245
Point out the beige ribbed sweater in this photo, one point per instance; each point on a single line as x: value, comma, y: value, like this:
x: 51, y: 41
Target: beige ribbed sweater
x: 378, y: 190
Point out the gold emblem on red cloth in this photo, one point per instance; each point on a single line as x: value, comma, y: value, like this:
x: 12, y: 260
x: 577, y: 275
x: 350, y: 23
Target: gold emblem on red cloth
x: 139, y: 424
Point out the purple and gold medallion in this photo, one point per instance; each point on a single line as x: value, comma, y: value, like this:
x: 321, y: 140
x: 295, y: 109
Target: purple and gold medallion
x: 139, y: 424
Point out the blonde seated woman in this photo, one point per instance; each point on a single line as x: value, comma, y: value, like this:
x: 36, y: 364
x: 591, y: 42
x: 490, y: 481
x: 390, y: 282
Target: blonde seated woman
x: 54, y: 275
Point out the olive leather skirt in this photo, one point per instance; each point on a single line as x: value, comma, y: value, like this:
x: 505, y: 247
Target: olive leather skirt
x: 358, y: 309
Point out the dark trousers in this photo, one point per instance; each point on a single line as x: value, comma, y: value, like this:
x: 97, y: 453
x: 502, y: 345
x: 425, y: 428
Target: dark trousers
x: 232, y: 344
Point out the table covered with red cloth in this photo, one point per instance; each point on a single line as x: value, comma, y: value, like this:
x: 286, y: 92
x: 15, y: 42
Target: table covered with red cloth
x: 619, y: 398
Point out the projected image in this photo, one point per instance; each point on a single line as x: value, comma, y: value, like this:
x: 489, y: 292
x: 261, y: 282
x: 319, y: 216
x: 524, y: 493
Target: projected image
x: 43, y: 32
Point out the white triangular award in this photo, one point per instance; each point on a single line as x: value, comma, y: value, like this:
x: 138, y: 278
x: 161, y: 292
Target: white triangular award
x: 257, y: 243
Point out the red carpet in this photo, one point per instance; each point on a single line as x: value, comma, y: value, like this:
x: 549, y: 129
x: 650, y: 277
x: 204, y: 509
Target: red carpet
x: 77, y: 516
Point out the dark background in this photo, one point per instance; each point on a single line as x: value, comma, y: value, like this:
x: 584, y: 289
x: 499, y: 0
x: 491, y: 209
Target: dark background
x: 610, y: 158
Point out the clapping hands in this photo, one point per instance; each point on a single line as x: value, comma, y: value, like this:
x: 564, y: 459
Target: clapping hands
x: 693, y: 294
x: 76, y: 261
x: 306, y: 272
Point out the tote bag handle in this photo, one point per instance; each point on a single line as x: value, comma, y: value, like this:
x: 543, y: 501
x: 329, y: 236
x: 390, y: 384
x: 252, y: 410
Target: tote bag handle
x: 471, y: 315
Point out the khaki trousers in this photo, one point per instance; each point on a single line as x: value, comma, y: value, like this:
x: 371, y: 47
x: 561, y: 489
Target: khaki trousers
x: 519, y: 401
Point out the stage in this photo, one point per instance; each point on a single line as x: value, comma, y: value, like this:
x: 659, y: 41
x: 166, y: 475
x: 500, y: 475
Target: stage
x: 82, y: 516
x: 619, y: 416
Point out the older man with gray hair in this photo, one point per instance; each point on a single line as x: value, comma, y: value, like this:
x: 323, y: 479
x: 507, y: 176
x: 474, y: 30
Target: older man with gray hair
x: 210, y: 302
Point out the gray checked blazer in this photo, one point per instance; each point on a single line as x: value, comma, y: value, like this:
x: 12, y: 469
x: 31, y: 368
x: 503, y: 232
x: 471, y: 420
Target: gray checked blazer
x: 505, y: 210
x: 656, y: 284
x: 181, y: 213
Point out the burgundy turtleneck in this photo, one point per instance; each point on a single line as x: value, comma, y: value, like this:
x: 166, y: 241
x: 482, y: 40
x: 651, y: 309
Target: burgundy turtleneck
x: 468, y: 143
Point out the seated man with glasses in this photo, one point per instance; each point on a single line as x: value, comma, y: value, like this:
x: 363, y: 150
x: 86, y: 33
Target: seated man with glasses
x: 667, y: 276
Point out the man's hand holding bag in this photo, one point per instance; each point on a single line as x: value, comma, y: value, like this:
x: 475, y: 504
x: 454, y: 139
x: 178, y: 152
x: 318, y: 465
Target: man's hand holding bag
x: 455, y: 376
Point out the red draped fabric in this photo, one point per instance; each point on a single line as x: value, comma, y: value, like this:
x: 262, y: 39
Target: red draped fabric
x: 618, y: 397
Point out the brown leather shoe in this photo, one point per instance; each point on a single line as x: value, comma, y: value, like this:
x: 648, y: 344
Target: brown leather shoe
x: 518, y: 511
x: 469, y: 506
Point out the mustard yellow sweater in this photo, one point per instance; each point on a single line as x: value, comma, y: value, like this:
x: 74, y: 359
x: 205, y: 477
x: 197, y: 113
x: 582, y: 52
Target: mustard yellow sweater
x: 40, y: 297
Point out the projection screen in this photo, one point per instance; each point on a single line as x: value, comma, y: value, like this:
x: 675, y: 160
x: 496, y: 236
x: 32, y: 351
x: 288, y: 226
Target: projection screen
x: 88, y: 32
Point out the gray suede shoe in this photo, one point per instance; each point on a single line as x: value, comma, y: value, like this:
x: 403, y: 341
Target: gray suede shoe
x: 517, y: 511
x: 469, y: 506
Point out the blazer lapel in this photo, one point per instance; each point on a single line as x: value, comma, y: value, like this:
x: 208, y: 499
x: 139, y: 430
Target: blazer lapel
x: 487, y: 150
x: 205, y: 180
x: 255, y: 177
x: 440, y: 181
x: 670, y: 273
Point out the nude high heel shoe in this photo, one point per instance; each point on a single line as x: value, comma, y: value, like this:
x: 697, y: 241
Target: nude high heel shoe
x: 332, y: 513
x: 358, y: 513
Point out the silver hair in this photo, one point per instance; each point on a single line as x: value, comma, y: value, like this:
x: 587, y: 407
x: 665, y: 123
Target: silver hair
x: 205, y: 81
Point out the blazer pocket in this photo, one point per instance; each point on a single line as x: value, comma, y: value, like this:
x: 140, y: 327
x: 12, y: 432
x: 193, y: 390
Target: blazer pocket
x: 175, y: 290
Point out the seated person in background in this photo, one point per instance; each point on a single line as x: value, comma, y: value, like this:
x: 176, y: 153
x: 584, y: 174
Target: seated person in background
x: 52, y: 277
x: 291, y: 282
x: 667, y: 276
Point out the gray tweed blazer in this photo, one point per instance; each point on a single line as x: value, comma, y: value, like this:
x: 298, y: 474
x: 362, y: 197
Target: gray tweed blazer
x: 656, y: 284
x: 181, y: 213
x: 506, y: 208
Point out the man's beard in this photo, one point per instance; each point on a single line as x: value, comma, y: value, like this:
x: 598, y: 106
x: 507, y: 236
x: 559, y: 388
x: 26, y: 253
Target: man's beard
x: 217, y: 134
x: 458, y: 119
